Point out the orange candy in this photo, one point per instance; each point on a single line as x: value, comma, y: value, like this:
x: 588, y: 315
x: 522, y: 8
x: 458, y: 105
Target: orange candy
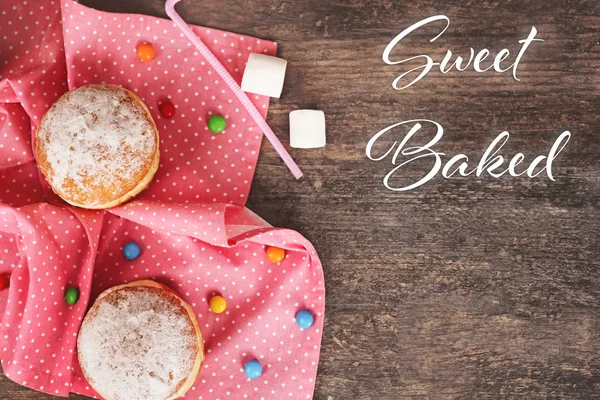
x: 275, y: 254
x: 145, y: 52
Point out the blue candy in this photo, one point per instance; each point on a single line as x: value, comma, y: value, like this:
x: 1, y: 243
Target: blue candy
x: 304, y: 319
x: 253, y: 369
x: 131, y: 251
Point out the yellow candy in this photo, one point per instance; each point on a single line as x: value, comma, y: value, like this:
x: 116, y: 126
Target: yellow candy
x: 217, y: 304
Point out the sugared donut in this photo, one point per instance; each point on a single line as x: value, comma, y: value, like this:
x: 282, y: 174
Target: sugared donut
x: 140, y: 341
x: 97, y: 146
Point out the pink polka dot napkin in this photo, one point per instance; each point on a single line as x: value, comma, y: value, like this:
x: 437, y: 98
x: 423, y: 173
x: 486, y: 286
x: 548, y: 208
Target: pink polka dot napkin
x: 195, y: 233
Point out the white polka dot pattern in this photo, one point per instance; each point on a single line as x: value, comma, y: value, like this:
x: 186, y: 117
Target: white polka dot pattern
x: 196, y: 165
x: 194, y: 232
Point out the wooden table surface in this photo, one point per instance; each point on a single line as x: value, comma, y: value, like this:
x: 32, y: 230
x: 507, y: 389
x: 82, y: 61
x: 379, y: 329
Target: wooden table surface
x: 469, y: 288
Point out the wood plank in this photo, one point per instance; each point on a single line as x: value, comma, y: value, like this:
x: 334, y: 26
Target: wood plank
x: 472, y: 288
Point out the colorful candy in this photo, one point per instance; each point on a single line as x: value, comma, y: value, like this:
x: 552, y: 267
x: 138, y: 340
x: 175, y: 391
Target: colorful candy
x: 305, y: 319
x: 131, y: 251
x: 253, y: 369
x: 4, y: 281
x: 275, y: 254
x: 217, y: 124
x: 146, y: 52
x: 217, y: 304
x: 167, y: 109
x: 72, y: 295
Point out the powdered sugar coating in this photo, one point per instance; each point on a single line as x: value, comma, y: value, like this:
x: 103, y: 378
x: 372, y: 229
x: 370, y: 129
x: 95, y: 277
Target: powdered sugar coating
x: 137, y: 344
x: 95, y: 144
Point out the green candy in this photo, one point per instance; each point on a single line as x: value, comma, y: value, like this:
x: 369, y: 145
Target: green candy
x: 217, y: 124
x: 71, y: 296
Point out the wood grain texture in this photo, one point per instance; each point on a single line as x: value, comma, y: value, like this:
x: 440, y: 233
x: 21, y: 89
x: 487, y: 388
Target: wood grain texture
x: 472, y: 288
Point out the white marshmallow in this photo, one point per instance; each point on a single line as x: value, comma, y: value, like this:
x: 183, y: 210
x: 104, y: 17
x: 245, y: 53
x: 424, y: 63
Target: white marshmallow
x: 264, y: 75
x: 307, y: 129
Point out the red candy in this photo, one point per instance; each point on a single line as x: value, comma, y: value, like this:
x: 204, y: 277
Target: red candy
x: 167, y: 109
x: 4, y: 281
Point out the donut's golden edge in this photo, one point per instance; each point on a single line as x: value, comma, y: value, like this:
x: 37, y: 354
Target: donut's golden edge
x: 189, y: 382
x: 143, y: 184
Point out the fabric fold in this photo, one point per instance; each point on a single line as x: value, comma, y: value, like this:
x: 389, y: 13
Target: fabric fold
x: 195, y: 234
x: 38, y: 328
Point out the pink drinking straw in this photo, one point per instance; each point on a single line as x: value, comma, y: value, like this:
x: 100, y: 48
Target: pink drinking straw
x: 233, y: 85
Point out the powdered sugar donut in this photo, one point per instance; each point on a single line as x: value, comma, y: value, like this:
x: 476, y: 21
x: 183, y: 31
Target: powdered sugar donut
x: 140, y: 341
x: 98, y: 146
